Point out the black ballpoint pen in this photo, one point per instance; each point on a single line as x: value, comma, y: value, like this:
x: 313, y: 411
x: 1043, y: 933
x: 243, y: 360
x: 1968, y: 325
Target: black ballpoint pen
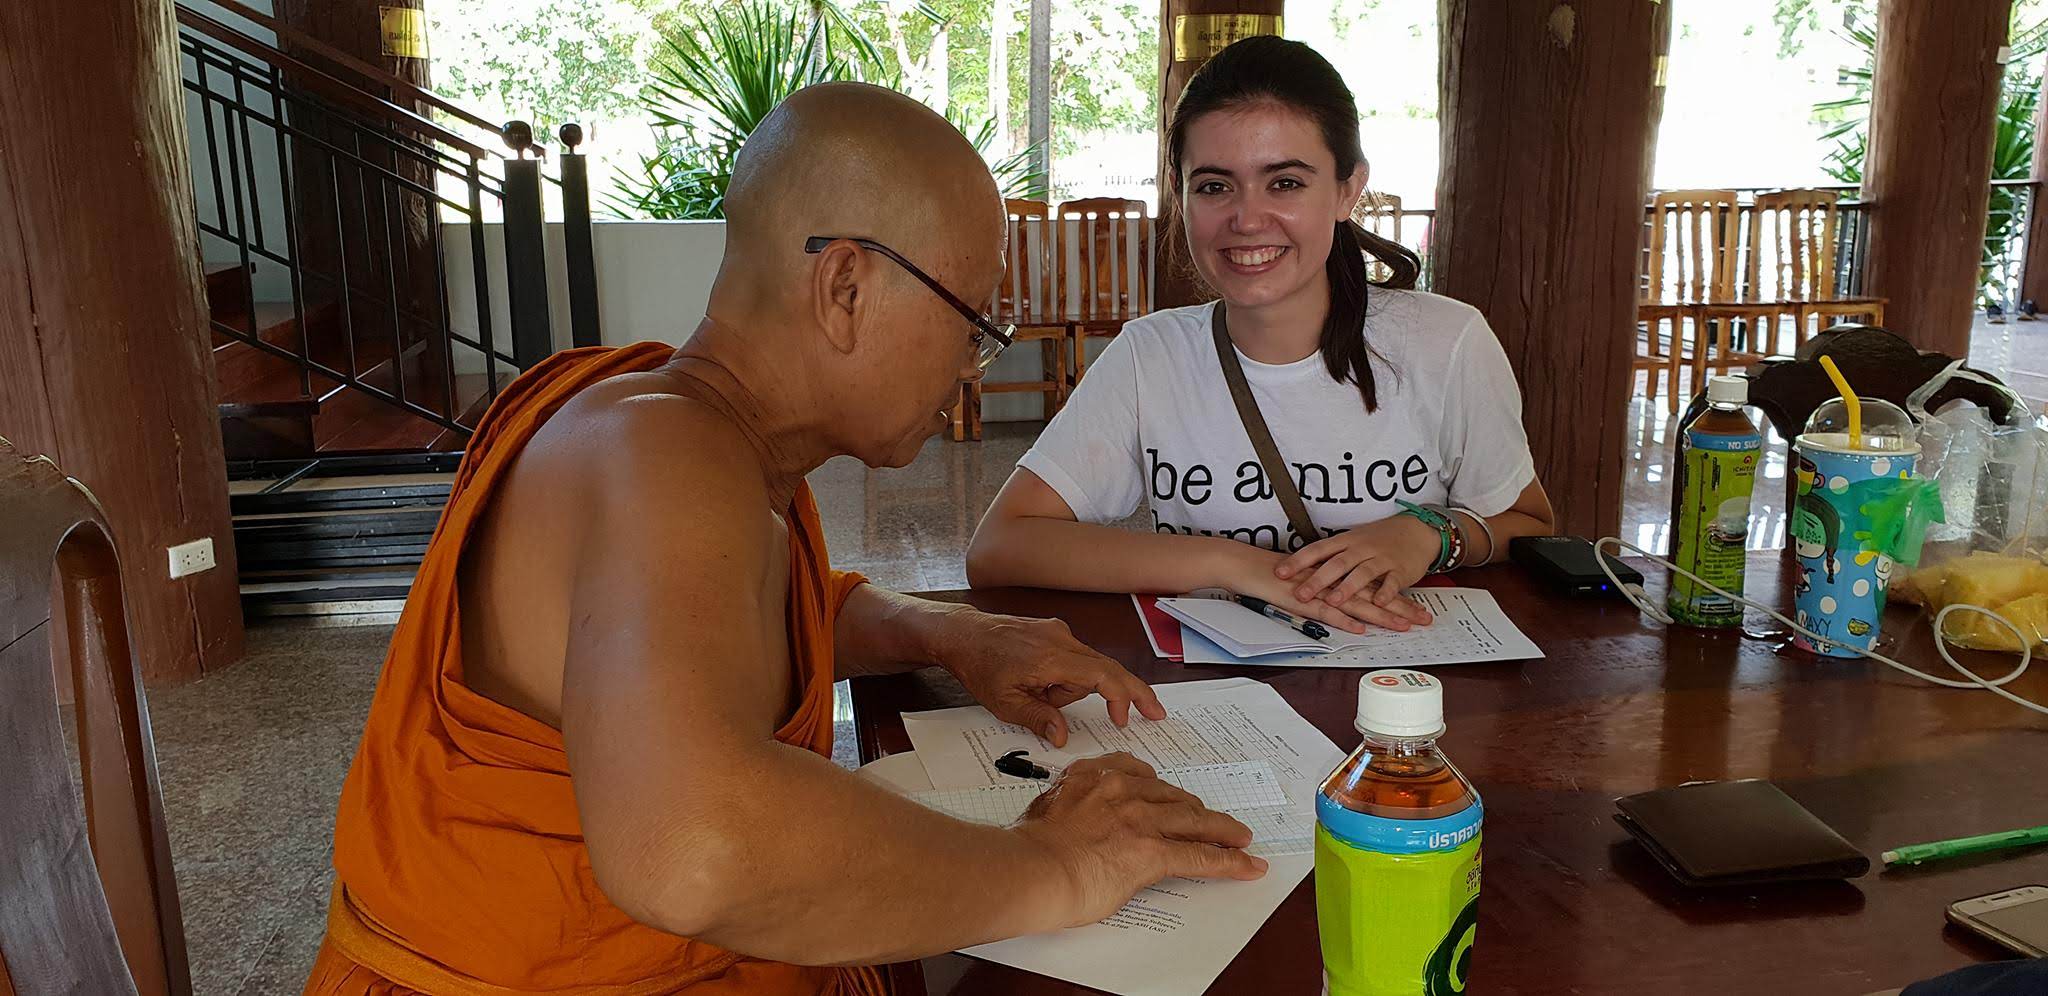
x: 1306, y: 627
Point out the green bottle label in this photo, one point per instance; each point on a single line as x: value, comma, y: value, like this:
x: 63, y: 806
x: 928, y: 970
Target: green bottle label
x: 1717, y: 475
x: 1396, y: 924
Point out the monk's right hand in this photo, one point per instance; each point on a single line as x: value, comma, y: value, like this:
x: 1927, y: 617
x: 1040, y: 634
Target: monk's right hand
x: 1115, y: 828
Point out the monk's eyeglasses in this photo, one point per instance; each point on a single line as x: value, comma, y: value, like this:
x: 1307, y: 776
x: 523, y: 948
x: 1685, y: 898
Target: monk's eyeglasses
x: 989, y: 338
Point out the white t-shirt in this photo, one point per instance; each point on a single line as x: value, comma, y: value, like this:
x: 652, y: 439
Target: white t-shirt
x: 1153, y: 420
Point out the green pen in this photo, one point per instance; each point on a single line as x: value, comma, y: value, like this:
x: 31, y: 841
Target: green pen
x: 1913, y: 854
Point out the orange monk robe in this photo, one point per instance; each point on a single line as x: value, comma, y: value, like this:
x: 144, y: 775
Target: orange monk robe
x: 459, y: 858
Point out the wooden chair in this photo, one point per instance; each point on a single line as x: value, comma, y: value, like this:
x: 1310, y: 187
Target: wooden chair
x: 1696, y: 228
x: 1026, y: 298
x: 1111, y: 282
x: 1796, y: 229
x: 88, y: 903
x: 1379, y: 214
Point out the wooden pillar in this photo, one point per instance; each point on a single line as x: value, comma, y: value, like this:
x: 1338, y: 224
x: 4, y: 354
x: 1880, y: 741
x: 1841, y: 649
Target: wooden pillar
x: 105, y: 358
x: 1927, y: 172
x: 1546, y: 128
x: 1190, y: 31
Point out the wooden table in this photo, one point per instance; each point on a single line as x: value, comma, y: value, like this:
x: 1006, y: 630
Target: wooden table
x: 1621, y: 705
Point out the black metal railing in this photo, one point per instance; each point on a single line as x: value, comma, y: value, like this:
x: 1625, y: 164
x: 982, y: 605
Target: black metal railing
x: 410, y: 259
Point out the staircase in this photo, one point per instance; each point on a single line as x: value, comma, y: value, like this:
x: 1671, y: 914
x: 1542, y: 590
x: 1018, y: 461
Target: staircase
x: 273, y: 408
x: 374, y: 275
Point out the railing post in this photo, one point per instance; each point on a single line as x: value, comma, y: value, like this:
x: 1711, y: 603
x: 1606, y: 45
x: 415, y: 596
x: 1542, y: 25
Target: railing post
x: 526, y: 269
x: 576, y: 240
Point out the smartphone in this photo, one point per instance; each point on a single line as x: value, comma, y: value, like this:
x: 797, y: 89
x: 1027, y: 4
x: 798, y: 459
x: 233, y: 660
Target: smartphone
x: 1567, y: 564
x: 2015, y: 919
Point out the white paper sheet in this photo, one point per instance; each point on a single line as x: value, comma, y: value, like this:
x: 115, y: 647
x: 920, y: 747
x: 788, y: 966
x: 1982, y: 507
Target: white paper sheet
x: 1247, y: 790
x: 1177, y: 936
x: 1470, y: 627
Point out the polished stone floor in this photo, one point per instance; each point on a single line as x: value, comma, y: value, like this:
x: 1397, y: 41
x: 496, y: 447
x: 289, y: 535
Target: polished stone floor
x: 253, y: 757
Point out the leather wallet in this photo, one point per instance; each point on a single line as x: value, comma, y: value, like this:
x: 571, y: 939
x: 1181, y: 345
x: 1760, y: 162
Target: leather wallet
x: 1736, y: 833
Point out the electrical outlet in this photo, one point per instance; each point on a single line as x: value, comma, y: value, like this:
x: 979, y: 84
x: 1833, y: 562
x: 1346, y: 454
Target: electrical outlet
x: 191, y: 558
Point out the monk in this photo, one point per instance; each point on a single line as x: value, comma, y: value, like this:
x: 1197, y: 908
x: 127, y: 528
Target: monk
x: 598, y: 756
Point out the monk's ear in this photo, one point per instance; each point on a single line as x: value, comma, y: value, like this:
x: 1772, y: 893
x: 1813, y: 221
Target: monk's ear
x: 841, y: 289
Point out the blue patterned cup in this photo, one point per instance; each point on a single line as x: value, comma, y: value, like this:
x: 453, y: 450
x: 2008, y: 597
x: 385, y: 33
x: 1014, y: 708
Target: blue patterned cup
x: 1842, y: 580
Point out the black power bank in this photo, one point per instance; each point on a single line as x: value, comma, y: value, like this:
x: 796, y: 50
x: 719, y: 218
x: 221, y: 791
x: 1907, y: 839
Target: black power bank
x: 1565, y: 564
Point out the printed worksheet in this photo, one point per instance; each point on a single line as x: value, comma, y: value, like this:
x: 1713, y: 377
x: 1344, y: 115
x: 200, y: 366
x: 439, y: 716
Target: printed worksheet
x: 1249, y: 791
x: 1234, y: 741
x: 1469, y: 627
x: 1207, y: 722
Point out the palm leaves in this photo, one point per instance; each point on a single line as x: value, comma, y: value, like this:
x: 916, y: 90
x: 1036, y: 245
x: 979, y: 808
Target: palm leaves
x: 713, y: 83
x: 2013, y: 139
x: 718, y: 76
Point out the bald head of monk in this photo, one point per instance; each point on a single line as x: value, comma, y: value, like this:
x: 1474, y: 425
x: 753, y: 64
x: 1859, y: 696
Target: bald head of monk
x: 878, y: 354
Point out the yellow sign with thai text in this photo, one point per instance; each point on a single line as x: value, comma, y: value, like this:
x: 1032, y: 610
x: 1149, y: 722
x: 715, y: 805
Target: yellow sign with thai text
x: 405, y: 31
x: 1196, y: 37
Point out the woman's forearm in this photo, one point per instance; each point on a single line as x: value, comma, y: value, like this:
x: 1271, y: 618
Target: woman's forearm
x: 1530, y: 515
x: 1080, y: 556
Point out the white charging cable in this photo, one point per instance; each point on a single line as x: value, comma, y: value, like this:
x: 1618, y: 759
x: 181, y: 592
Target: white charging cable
x: 1635, y: 594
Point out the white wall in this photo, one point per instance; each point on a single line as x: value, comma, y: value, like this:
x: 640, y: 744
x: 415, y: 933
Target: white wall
x: 653, y: 283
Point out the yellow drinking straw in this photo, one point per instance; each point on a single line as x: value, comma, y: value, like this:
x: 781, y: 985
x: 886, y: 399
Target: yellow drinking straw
x: 1849, y: 401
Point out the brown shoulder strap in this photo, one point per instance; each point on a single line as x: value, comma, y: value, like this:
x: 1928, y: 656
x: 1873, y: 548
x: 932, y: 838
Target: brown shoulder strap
x: 1255, y: 427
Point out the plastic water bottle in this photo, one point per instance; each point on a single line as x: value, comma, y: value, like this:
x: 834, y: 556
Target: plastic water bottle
x: 1397, y: 850
x: 1717, y: 462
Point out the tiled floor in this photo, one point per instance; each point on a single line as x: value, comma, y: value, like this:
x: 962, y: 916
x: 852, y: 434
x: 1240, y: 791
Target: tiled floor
x: 253, y: 757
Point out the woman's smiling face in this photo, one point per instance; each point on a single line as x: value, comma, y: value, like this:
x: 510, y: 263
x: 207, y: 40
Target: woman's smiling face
x: 1260, y: 198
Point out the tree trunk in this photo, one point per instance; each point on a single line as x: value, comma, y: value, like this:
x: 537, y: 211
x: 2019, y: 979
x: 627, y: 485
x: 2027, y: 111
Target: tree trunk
x: 2034, y: 277
x: 999, y: 28
x: 1927, y: 172
x: 1547, y: 131
x: 1190, y: 31
x: 358, y: 218
x: 105, y: 360
x: 1040, y: 128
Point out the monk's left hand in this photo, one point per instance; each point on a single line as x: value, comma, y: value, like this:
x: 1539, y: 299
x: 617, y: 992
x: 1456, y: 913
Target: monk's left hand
x: 1026, y: 670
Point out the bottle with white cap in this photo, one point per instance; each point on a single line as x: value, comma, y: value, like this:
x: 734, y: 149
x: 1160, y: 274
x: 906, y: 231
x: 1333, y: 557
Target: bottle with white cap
x: 1397, y: 850
x: 1718, y: 453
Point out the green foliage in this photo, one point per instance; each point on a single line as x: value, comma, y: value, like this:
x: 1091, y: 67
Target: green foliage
x: 2012, y: 142
x: 719, y: 75
x: 1017, y: 174
x: 714, y: 81
x: 547, y: 61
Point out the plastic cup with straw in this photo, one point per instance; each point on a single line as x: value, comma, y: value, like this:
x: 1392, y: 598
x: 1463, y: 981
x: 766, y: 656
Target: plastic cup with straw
x: 1850, y: 447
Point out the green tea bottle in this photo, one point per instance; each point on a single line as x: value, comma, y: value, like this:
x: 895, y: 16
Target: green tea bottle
x: 1717, y: 460
x: 1397, y: 851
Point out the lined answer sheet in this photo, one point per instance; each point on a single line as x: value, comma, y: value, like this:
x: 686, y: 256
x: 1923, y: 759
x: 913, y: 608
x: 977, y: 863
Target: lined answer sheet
x: 1249, y: 791
x: 1469, y: 627
x: 1235, y: 743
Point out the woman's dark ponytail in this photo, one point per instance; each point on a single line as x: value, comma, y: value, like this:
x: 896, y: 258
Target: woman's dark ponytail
x: 1293, y: 75
x: 1344, y: 348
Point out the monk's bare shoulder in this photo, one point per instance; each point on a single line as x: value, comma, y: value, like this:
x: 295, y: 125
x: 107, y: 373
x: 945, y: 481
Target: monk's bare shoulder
x: 648, y: 451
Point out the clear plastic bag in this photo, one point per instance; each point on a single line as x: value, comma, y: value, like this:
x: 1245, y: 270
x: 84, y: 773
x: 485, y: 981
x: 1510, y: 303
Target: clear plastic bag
x: 1991, y: 550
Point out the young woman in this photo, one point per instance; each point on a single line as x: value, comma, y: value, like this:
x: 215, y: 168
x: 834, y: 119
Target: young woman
x: 1394, y: 411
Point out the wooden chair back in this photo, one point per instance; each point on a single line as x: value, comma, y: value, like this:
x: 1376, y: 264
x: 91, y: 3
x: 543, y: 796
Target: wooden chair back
x: 88, y: 903
x: 1379, y: 214
x: 1112, y: 256
x: 1025, y: 297
x: 1692, y: 247
x: 1794, y: 230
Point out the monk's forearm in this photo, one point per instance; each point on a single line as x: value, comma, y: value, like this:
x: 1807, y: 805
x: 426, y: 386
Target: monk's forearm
x: 812, y: 865
x: 1047, y: 552
x: 885, y: 632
